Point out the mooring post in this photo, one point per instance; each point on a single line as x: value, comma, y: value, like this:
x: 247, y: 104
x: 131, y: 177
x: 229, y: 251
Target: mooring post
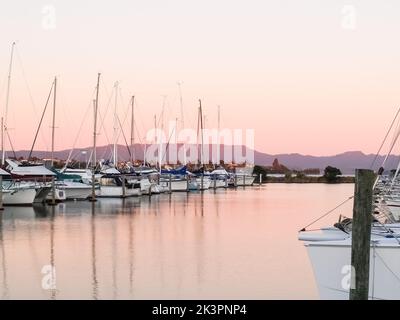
x: 1, y: 193
x: 202, y: 178
x: 93, y: 196
x: 361, y: 233
x: 187, y: 183
x: 170, y: 183
x: 260, y: 179
x: 53, y: 191
x: 215, y: 181
x: 123, y: 186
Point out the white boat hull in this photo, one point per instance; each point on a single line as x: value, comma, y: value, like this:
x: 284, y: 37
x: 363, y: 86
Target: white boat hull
x: 176, y: 185
x: 19, y: 196
x: 331, y: 266
x: 244, y: 180
x: 117, y: 192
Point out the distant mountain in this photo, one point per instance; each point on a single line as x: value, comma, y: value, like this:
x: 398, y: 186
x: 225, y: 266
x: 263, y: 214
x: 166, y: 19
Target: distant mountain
x: 346, y: 161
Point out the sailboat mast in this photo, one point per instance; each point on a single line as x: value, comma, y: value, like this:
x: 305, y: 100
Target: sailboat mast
x: 160, y: 155
x: 133, y: 130
x: 54, y: 121
x: 115, y: 126
x: 7, y: 101
x: 182, y: 122
x: 201, y: 131
x: 218, y: 136
x: 96, y: 107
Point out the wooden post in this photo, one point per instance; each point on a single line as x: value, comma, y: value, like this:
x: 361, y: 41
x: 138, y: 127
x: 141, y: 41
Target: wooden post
x: 1, y: 193
x: 260, y: 179
x: 244, y: 180
x: 215, y: 181
x: 93, y: 196
x: 53, y: 191
x: 187, y: 183
x: 170, y: 183
x: 201, y: 179
x: 361, y: 233
x: 123, y: 186
x: 235, y: 180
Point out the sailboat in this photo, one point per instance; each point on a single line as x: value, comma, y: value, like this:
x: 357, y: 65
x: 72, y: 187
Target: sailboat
x: 112, y: 182
x: 329, y: 248
x: 32, y: 179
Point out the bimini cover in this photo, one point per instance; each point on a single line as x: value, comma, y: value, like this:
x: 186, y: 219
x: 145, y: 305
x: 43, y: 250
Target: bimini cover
x: 180, y: 171
x: 220, y: 172
x: 29, y: 170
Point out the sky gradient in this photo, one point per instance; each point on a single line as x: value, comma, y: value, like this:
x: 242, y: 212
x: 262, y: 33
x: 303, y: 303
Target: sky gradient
x: 298, y: 72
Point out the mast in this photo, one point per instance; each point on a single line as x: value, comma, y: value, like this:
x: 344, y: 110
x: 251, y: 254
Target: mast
x: 54, y: 121
x: 96, y: 107
x: 218, y: 136
x: 133, y: 131
x: 7, y: 101
x: 201, y: 131
x: 182, y: 122
x: 160, y: 155
x: 115, y: 161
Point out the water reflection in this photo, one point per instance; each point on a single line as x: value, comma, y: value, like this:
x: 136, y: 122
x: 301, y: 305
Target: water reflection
x: 223, y: 244
x: 4, y: 284
x: 95, y: 284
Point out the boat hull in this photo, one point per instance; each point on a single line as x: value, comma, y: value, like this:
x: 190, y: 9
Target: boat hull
x: 332, y: 270
x: 22, y: 197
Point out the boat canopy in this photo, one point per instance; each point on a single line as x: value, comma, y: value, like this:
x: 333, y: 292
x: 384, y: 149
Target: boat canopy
x: 180, y: 171
x: 219, y: 172
x: 29, y: 170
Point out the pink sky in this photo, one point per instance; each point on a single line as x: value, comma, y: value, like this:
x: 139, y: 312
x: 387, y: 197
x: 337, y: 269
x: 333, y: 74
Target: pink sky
x: 287, y: 69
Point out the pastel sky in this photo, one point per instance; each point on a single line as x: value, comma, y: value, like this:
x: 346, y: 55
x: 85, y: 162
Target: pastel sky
x: 308, y: 76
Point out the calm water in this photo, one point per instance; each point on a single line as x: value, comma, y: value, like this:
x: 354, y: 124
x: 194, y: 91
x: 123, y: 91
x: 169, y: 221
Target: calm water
x: 214, y: 245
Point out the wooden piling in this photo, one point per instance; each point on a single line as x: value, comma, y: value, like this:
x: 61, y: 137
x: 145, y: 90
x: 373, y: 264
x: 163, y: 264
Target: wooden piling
x: 170, y: 183
x: 123, y: 187
x: 1, y: 193
x: 53, y: 191
x: 93, y: 196
x: 361, y: 233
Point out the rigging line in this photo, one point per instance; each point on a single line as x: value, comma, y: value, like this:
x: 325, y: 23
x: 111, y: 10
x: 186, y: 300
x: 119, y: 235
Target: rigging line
x: 396, y: 136
x: 124, y: 120
x: 80, y: 129
x: 166, y: 147
x: 41, y: 119
x: 327, y: 213
x: 387, y: 267
x: 11, y: 145
x: 102, y: 126
x: 123, y: 134
x: 384, y: 139
x: 28, y: 88
x: 388, y: 230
